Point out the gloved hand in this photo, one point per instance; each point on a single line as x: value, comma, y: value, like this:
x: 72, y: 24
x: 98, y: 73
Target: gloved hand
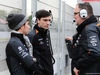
x: 67, y: 41
x: 69, y: 47
x: 39, y: 69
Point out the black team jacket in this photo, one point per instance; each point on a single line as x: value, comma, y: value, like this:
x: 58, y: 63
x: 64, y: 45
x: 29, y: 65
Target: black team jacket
x: 85, y: 50
x: 41, y: 49
x: 19, y: 60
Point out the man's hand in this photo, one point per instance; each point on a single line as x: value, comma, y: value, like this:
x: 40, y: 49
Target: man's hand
x: 69, y: 38
x: 76, y: 71
x: 34, y: 59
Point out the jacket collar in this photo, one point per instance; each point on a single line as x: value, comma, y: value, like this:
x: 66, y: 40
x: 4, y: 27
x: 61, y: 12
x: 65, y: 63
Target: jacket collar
x: 40, y: 30
x: 92, y: 19
x: 18, y: 35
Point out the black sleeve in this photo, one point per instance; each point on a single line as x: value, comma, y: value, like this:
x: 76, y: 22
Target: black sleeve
x: 98, y: 29
x: 21, y: 53
x: 69, y: 47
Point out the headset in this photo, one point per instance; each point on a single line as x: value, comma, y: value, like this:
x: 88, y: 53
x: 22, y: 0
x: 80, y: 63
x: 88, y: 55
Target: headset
x: 34, y: 19
x: 83, y: 13
x: 51, y: 17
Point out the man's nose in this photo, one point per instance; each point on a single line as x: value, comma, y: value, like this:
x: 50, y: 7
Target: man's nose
x: 48, y: 22
x: 29, y: 27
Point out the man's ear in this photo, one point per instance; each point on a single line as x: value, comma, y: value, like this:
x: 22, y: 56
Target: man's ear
x: 38, y: 20
x: 22, y: 27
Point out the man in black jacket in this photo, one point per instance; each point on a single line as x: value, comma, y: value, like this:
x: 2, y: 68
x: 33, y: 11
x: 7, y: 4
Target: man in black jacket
x: 19, y: 49
x: 41, y: 42
x: 85, y: 50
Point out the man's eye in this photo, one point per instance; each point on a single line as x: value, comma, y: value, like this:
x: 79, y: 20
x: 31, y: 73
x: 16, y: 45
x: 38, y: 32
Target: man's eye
x: 46, y: 20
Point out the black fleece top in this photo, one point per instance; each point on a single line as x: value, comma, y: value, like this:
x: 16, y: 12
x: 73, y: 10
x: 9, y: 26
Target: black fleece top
x: 41, y: 50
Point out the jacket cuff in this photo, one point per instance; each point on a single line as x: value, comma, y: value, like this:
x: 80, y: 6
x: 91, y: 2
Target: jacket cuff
x: 78, y: 66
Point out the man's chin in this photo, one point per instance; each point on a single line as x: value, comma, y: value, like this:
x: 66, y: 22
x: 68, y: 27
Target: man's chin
x: 46, y: 28
x: 77, y: 24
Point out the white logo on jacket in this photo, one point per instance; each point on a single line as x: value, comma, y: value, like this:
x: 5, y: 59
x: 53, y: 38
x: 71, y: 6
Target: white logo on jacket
x: 22, y: 52
x: 93, y: 40
x: 41, y: 41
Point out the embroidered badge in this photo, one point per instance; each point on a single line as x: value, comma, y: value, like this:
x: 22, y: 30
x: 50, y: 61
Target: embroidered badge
x: 93, y: 40
x: 22, y: 52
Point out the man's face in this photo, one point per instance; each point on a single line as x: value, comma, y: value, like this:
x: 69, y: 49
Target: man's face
x: 26, y: 28
x: 77, y: 17
x: 44, y: 22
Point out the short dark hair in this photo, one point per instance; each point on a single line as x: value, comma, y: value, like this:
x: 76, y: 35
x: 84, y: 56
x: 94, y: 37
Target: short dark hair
x: 86, y: 6
x: 42, y: 13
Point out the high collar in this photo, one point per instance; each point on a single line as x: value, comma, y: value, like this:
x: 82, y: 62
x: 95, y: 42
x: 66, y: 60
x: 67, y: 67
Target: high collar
x: 40, y: 30
x: 92, y: 19
x: 18, y: 35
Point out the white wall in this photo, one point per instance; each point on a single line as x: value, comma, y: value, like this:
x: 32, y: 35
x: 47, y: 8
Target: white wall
x: 12, y: 3
x: 9, y: 5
